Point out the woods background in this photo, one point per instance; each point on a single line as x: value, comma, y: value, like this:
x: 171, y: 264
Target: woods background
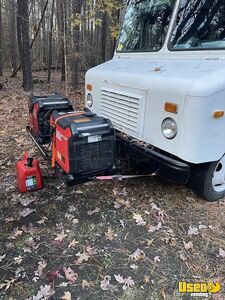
x: 69, y: 36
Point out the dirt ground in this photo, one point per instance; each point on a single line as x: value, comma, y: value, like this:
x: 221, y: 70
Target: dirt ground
x: 101, y: 240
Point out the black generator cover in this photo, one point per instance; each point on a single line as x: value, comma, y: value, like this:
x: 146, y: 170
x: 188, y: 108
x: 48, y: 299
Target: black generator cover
x: 91, y: 143
x: 46, y: 105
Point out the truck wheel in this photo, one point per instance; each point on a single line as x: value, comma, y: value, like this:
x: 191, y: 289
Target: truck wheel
x: 208, y: 180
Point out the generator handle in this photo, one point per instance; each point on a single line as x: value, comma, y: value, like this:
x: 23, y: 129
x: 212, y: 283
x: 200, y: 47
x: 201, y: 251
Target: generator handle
x: 44, y: 154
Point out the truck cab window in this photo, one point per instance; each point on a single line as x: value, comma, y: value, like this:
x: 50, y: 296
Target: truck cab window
x: 145, y: 25
x: 199, y: 25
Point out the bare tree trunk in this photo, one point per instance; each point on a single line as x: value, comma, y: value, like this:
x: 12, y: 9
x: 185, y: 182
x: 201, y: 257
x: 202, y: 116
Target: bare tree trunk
x: 104, y: 24
x: 13, y: 35
x: 24, y: 43
x: 50, y: 44
x: 77, y: 4
x: 1, y: 41
x: 44, y: 37
x: 63, y: 28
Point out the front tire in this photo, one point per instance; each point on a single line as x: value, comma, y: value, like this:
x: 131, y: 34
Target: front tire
x: 208, y: 180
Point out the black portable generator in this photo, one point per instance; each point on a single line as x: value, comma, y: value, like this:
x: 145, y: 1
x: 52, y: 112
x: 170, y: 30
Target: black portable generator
x: 40, y: 110
x: 83, y: 144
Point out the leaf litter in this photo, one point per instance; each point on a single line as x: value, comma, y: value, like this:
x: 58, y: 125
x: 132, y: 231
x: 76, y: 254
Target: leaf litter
x: 161, y: 221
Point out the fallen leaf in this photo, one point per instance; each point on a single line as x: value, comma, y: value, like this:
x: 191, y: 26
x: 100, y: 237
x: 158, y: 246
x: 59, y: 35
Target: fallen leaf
x: 137, y: 255
x: 92, y: 212
x: 26, y: 212
x: 63, y: 284
x: 41, y: 266
x: 45, y: 292
x: 183, y: 257
x: 91, y: 251
x: 152, y: 228
x: 122, y: 223
x: 163, y: 293
x: 192, y: 231
x: 66, y: 296
x: 128, y: 282
x: 9, y: 220
x: 2, y: 257
x: 134, y: 267
x: 202, y: 227
x: 81, y: 258
x: 7, y: 284
x: 75, y: 221
x: 188, y: 246
x: 157, y: 259
x: 173, y: 242
x: 119, y: 279
x: 139, y: 220
x: 117, y: 205
x: 109, y: 234
x: 121, y: 202
x: 73, y: 244
x: 26, y: 201
x: 20, y: 273
x: 16, y: 233
x: 69, y: 217
x: 107, y: 286
x: 42, y: 221
x: 86, y: 284
x: 72, y: 208
x: 52, y: 276
x: 60, y: 236
x: 104, y: 284
x: 18, y: 260
x: 222, y: 253
x: 70, y: 275
x: 146, y: 279
x: 79, y: 192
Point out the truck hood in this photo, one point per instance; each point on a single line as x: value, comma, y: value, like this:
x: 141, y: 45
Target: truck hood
x: 133, y: 92
x: 196, y: 78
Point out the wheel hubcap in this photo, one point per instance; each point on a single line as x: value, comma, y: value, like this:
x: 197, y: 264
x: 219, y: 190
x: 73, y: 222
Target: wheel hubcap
x: 218, y: 180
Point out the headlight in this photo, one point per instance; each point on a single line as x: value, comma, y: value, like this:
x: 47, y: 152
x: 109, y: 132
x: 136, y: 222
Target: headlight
x: 89, y: 100
x: 169, y: 128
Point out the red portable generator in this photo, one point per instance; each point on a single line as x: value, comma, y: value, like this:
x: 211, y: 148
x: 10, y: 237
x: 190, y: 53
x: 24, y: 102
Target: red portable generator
x: 28, y: 173
x: 83, y: 144
x: 40, y: 110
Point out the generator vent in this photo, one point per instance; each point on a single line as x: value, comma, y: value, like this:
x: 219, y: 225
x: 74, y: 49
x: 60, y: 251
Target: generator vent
x: 125, y: 110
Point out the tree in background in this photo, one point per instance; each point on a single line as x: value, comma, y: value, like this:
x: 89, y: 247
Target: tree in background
x: 24, y: 43
x: 82, y: 34
x: 50, y: 43
x: 13, y: 37
x: 1, y: 41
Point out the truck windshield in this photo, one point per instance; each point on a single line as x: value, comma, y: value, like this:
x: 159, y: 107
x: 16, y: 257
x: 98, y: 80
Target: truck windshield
x: 200, y: 24
x: 145, y: 25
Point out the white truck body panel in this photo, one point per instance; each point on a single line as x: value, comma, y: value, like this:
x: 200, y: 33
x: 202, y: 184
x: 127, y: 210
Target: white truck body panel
x: 133, y: 88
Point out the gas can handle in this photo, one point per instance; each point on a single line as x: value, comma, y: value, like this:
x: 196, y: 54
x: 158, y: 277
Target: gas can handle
x: 28, y: 160
x: 25, y: 157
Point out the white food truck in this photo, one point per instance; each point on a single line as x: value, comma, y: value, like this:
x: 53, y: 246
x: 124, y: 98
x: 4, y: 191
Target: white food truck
x: 165, y: 89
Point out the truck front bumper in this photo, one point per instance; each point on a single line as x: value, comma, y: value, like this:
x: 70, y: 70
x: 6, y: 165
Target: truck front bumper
x: 154, y: 160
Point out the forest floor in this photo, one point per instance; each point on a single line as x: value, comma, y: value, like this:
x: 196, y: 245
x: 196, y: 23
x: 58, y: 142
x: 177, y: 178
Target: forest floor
x: 101, y: 240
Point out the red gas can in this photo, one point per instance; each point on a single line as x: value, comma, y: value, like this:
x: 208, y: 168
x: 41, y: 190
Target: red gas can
x: 29, y: 176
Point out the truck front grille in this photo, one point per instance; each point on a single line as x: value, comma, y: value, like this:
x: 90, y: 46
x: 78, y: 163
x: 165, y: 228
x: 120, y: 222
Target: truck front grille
x: 124, y: 110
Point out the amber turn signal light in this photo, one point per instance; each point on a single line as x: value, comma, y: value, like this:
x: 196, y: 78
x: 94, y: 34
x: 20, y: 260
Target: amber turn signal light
x: 89, y: 87
x: 218, y: 114
x: 171, y: 108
